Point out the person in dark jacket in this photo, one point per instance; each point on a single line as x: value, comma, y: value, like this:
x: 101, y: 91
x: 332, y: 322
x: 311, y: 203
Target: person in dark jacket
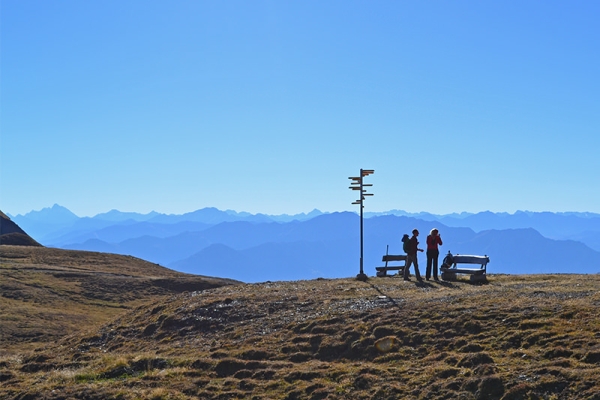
x: 411, y: 256
x: 433, y: 240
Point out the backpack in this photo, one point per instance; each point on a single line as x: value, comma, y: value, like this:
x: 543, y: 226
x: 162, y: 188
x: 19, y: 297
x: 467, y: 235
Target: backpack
x: 448, y: 260
x: 405, y: 243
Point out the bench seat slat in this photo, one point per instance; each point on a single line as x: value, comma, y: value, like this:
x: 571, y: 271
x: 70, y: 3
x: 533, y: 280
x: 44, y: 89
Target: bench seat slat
x: 464, y: 271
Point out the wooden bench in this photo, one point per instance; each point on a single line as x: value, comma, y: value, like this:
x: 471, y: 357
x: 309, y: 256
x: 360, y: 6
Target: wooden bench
x: 449, y: 268
x: 388, y: 258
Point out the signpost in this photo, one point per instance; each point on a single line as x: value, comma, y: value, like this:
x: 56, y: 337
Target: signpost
x: 357, y: 184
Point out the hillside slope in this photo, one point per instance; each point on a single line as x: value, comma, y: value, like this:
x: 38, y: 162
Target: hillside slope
x: 47, y: 293
x: 12, y: 234
x: 517, y: 337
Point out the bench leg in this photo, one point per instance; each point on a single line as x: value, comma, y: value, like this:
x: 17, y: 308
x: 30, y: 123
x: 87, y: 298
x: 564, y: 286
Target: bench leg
x: 448, y: 276
x: 478, y: 278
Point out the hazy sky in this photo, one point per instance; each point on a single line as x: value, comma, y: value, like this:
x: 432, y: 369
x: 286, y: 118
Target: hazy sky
x: 269, y: 106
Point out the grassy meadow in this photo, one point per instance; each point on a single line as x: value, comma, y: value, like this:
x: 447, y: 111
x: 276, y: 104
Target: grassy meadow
x: 514, y: 337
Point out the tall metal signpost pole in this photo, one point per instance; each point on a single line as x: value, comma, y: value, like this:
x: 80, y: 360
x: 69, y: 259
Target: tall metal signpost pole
x: 357, y: 184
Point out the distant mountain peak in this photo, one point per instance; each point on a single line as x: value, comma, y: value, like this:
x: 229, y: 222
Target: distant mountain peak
x: 56, y: 213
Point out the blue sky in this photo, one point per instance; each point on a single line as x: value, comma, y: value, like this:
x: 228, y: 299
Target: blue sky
x: 269, y: 106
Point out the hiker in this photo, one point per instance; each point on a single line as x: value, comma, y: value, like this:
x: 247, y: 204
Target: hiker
x: 433, y: 240
x: 411, y: 256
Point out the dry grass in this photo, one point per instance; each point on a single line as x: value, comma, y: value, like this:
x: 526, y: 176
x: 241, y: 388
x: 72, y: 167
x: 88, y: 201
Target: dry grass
x: 47, y: 293
x: 516, y: 337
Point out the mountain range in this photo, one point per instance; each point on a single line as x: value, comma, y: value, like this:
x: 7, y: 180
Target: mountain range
x: 260, y: 247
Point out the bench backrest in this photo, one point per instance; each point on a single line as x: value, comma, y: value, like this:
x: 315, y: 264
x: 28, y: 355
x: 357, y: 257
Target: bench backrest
x: 390, y: 257
x: 466, y: 259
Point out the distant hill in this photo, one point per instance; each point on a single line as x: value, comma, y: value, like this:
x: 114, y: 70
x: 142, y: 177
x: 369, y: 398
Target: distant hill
x: 551, y: 225
x: 12, y: 234
x: 115, y: 233
x: 327, y: 247
x: 582, y: 227
x: 273, y: 261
